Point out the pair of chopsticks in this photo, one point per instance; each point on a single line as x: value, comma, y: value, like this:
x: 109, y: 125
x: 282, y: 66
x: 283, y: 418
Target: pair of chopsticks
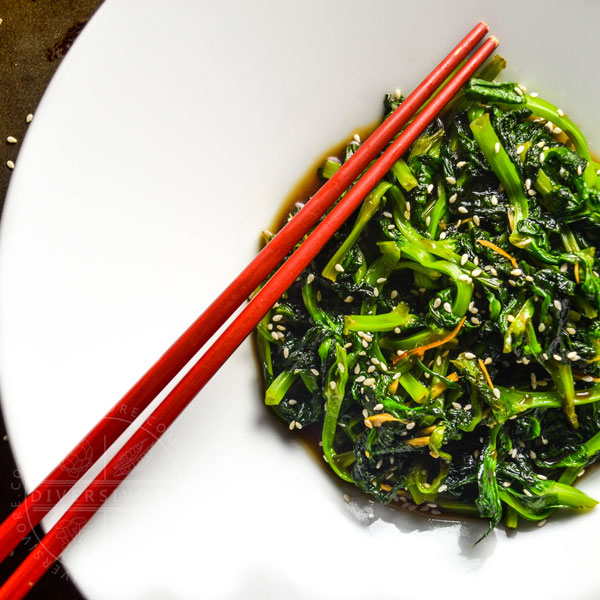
x: 30, y: 512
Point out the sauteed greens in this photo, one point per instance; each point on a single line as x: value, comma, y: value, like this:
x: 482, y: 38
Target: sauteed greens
x: 446, y: 342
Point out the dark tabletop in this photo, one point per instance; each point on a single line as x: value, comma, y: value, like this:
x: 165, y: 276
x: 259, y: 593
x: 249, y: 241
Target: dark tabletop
x: 34, y: 37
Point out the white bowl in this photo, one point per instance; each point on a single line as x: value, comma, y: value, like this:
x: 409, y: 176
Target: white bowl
x: 166, y: 142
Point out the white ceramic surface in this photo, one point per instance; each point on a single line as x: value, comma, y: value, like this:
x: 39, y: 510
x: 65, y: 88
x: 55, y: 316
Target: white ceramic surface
x: 165, y: 143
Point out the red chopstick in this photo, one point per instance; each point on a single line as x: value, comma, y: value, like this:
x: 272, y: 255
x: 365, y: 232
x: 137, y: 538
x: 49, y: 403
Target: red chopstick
x: 67, y: 527
x: 32, y: 510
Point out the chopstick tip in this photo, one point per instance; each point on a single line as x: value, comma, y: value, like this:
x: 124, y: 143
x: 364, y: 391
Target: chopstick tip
x: 484, y: 25
x: 494, y: 39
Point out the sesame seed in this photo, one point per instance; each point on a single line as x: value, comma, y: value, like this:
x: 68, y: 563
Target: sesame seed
x: 451, y: 180
x: 579, y: 170
x: 286, y: 352
x: 461, y: 163
x: 378, y: 407
x: 541, y: 327
x: 407, y: 214
x: 298, y: 425
x: 365, y: 413
x: 387, y: 214
x: 339, y: 268
x: 534, y: 94
x: 487, y: 361
x: 476, y: 260
x: 360, y: 379
x: 464, y: 259
x: 557, y: 305
x: 532, y: 455
x: 494, y: 272
x: 275, y: 335
x: 476, y: 272
x: 542, y: 157
x: 379, y: 463
x: 357, y: 138
x: 375, y: 292
x: 476, y: 220
x: 383, y: 367
x: 398, y: 94
x: 394, y: 294
x: 462, y: 210
x: 475, y: 321
x: 381, y: 280
x: 397, y: 330
x: 518, y: 90
x: 430, y: 188
x: 512, y: 282
x: 528, y: 278
x: 391, y: 226
x: 527, y: 492
x: 277, y: 318
x: 506, y: 484
x: 292, y: 425
x: 447, y: 307
x: 557, y: 357
x: 292, y: 402
x: 560, y: 112
x: 348, y: 299
x: 520, y: 149
x: 427, y: 221
x: 469, y: 355
x: 516, y: 272
x: 438, y: 361
x: 375, y: 361
x: 443, y: 235
x: 557, y: 131
x: 456, y: 405
x: 571, y: 330
x: 542, y: 477
x: 410, y: 425
x: 10, y: 164
x: 580, y: 474
x: 463, y: 277
x: 496, y: 392
x: 452, y: 198
x: 533, y: 380
x: 371, y: 369
x: 370, y: 381
x: 407, y: 206
x: 510, y: 318
x: 310, y: 278
x: 364, y: 343
x: 542, y: 523
x: 11, y: 139
x: 341, y: 367
x: 397, y: 375
x: 357, y: 369
x: 573, y: 355
x: 497, y: 147
x: 319, y: 296
x: 544, y: 356
x: 437, y: 302
x: 314, y: 372
x: 346, y: 498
